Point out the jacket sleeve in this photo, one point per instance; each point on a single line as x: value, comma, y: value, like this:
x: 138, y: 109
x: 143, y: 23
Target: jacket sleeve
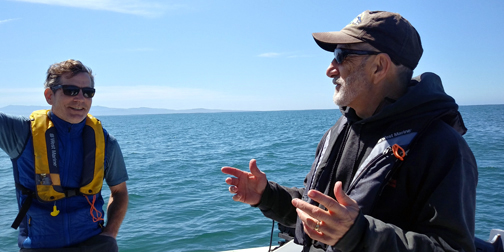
x: 443, y: 176
x: 115, y: 167
x: 276, y: 203
x: 14, y: 132
x: 276, y: 200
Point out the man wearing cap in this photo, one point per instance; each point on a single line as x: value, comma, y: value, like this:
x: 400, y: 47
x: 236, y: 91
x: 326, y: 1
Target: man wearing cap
x: 393, y: 173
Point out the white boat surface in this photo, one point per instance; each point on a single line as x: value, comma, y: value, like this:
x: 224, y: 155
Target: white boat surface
x: 289, y: 246
x: 495, y: 243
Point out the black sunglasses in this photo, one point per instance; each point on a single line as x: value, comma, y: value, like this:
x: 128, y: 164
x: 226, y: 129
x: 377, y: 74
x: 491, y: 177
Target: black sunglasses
x: 71, y: 90
x: 340, y: 54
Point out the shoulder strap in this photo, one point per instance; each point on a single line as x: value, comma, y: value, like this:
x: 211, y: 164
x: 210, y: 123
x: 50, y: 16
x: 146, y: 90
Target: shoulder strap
x: 94, y: 150
x: 45, y: 145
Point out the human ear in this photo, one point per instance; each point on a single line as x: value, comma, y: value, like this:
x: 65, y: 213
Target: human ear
x: 382, y: 64
x: 48, y: 93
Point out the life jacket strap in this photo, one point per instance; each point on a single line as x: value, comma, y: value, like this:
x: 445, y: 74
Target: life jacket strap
x: 26, y: 205
x: 24, y: 208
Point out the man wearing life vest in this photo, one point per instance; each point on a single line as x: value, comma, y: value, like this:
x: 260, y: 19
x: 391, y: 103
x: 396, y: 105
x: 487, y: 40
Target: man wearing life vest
x: 60, y: 158
x: 394, y: 173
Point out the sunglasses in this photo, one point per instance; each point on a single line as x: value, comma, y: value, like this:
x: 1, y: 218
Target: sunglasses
x: 71, y: 90
x: 340, y: 54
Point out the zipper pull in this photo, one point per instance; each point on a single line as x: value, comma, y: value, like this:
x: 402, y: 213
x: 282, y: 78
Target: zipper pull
x: 399, y: 152
x: 55, y: 211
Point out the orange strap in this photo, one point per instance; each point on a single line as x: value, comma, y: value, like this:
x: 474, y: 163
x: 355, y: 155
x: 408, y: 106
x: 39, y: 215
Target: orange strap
x: 93, y: 210
x: 398, y: 151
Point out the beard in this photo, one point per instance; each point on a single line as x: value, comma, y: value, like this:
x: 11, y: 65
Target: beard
x: 348, y: 90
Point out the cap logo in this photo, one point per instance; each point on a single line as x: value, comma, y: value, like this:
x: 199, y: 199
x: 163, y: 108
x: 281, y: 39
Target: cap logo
x: 356, y: 20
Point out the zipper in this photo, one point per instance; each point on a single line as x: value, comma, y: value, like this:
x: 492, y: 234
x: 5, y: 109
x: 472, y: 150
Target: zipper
x: 342, y: 146
x: 330, y: 186
x: 387, y: 152
x: 316, y: 176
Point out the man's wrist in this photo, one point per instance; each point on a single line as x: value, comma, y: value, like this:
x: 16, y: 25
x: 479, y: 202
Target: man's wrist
x: 266, y: 194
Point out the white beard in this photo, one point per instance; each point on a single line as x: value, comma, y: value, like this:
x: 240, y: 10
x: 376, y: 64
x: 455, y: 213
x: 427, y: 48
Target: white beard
x: 348, y: 90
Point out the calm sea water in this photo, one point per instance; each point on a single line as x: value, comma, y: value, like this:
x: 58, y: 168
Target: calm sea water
x: 178, y: 198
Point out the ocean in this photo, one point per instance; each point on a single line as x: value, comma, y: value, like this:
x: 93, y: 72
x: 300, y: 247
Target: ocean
x: 180, y: 202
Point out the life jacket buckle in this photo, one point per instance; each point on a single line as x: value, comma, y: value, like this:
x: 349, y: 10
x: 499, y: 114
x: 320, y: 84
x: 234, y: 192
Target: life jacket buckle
x: 71, y: 192
x: 43, y: 179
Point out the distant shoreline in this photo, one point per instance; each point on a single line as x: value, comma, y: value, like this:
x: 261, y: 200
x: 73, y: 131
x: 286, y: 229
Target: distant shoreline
x: 21, y: 110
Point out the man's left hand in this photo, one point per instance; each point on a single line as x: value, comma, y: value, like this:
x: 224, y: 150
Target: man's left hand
x: 327, y: 226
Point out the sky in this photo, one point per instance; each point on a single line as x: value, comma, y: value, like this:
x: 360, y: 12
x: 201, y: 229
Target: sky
x: 232, y: 54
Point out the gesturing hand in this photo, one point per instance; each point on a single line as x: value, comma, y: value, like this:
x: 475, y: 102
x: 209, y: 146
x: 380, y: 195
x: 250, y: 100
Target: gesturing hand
x: 247, y: 186
x: 327, y: 226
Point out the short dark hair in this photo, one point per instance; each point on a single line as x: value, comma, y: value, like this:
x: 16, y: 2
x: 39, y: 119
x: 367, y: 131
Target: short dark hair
x: 70, y: 67
x: 404, y: 74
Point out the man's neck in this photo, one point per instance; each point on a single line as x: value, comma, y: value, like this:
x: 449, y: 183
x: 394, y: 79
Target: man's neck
x: 377, y: 100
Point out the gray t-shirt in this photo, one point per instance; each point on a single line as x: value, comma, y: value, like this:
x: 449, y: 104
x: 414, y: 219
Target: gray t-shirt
x: 14, y: 133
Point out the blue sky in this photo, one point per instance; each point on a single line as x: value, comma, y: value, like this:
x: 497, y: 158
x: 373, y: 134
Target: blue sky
x: 225, y: 54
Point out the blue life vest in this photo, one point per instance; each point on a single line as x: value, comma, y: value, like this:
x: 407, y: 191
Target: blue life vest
x: 62, y: 167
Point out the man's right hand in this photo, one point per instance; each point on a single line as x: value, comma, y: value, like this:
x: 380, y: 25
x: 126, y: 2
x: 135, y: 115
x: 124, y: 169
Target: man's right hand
x: 247, y: 186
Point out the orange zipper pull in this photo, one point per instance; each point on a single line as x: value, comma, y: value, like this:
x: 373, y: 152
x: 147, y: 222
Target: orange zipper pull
x: 399, y: 152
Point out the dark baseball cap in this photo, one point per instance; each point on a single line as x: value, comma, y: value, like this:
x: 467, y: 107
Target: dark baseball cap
x: 386, y: 31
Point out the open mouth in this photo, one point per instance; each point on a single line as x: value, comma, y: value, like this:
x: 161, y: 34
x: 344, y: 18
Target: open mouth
x: 76, y: 108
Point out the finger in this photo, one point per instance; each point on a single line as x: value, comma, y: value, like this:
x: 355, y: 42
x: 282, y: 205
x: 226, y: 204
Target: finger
x: 313, y: 211
x: 317, y: 236
x: 232, y: 181
x: 341, y: 196
x: 233, y: 171
x: 237, y: 197
x: 233, y: 189
x: 307, y: 220
x: 309, y: 225
x: 254, y: 169
x: 325, y: 200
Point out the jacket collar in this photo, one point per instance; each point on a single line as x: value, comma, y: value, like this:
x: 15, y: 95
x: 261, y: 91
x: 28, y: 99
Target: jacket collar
x: 65, y: 128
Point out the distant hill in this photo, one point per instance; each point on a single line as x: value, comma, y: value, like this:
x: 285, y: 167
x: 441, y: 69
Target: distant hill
x: 101, y: 111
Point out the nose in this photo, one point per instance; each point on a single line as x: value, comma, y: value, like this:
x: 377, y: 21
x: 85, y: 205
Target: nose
x: 332, y: 71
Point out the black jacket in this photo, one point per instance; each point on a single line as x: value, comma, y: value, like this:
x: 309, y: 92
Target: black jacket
x: 424, y: 203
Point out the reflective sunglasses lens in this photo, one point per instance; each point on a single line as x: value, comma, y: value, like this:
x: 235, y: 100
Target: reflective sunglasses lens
x: 88, y: 92
x: 338, y: 55
x: 70, y: 90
